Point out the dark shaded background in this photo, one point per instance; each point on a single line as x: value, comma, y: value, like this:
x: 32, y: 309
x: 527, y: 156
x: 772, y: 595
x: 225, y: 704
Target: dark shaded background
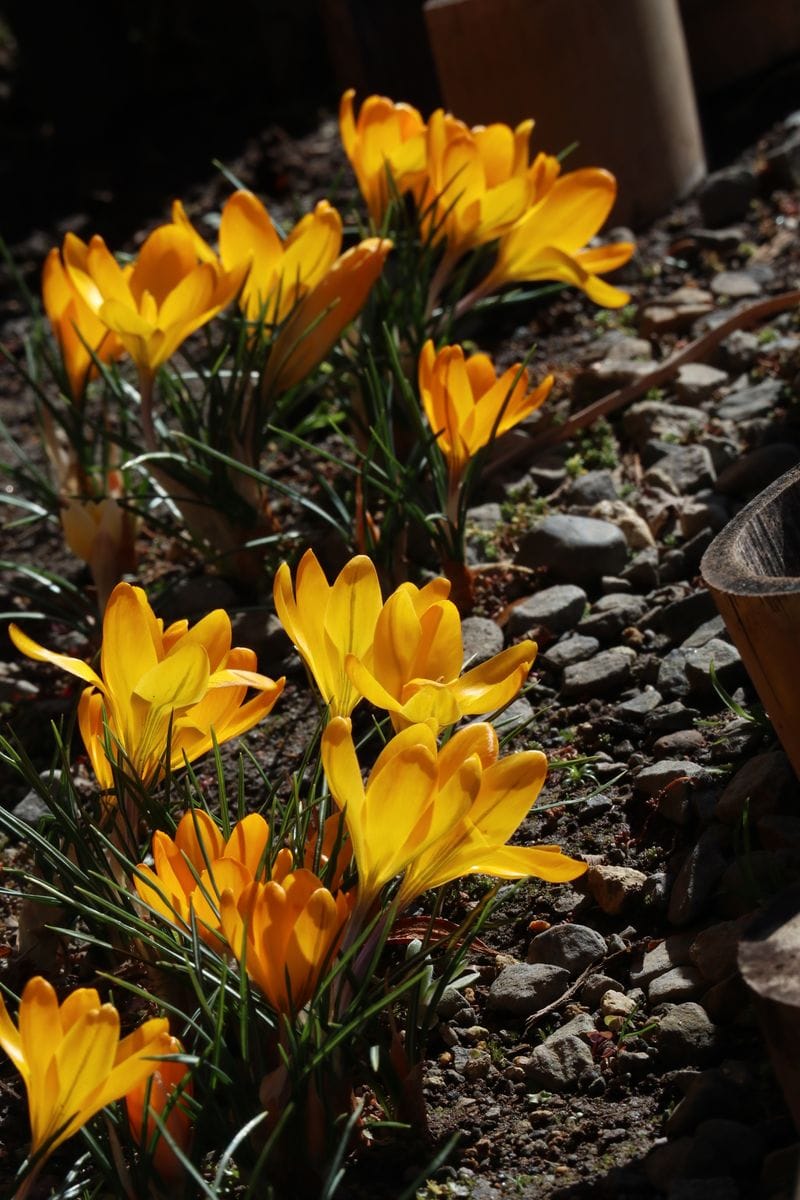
x: 109, y: 109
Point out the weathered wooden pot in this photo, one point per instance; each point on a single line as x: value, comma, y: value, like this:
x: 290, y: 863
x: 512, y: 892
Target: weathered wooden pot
x: 613, y: 77
x: 752, y: 569
x: 769, y: 960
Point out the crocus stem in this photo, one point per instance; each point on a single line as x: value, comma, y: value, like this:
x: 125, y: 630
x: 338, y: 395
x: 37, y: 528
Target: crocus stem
x: 440, y: 276
x: 466, y: 302
x: 146, y: 398
x: 24, y: 1188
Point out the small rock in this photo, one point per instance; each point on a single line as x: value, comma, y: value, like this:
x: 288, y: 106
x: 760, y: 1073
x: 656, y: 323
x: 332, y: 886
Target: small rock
x: 669, y: 773
x: 634, y: 528
x: 524, y: 988
x: 746, y: 403
x: 573, y: 947
x: 654, y: 418
x: 561, y: 1066
x: 595, y: 988
x: 682, y: 741
x: 676, y: 985
x: 714, y: 950
x: 739, y: 351
x: 518, y: 714
x: 714, y: 628
x: 689, y: 468
x: 684, y: 1035
x: 681, y: 617
x: 613, y: 889
x: 606, y: 376
x: 639, y: 705
x: 578, y: 549
x: 697, y: 382
x: 765, y: 783
x: 614, y: 1003
x: 591, y: 488
x: 642, y: 571
x: 725, y: 195
x: 558, y: 608
x: 672, y: 952
x: 670, y: 717
x: 30, y: 809
x: 482, y: 639
x: 607, y: 672
x: 727, y: 664
x: 611, y: 614
x: 572, y: 649
x: 700, y: 874
x: 671, y: 678
x: 736, y: 285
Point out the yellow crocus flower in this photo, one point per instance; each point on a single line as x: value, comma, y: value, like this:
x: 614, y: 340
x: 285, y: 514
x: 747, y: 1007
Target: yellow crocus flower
x: 417, y: 655
x: 190, y: 870
x: 476, y: 842
x: 327, y: 622
x: 170, y: 292
x: 281, y: 272
x: 478, y: 182
x: 150, y: 676
x: 402, y: 809
x: 386, y: 136
x: 285, y: 931
x: 323, y: 313
x: 550, y: 240
x: 77, y: 327
x: 72, y: 1060
x: 467, y: 404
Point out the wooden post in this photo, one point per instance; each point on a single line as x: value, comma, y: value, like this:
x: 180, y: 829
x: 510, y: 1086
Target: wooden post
x: 612, y: 76
x: 752, y: 569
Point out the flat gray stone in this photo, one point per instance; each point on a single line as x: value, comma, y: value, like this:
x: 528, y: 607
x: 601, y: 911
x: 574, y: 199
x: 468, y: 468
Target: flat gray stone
x: 676, y: 985
x: 726, y: 661
x: 685, y: 1036
x: 672, y: 952
x: 613, y: 889
x: 697, y: 382
x: 689, y: 468
x: 573, y: 947
x: 765, y: 783
x: 524, y: 988
x: 572, y: 649
x: 697, y: 879
x: 736, y: 285
x: 558, y: 608
x: 749, y: 402
x: 561, y: 1066
x: 724, y: 196
x: 611, y: 614
x: 576, y: 549
x: 607, y: 672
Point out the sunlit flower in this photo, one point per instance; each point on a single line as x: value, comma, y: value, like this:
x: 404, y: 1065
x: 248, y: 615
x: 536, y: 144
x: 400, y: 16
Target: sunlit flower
x: 71, y: 1058
x: 78, y: 329
x: 151, y: 677
x: 285, y: 932
x: 191, y: 870
x: 323, y: 313
x: 402, y: 809
x: 327, y: 622
x: 163, y: 1095
x: 476, y: 842
x: 478, y: 182
x: 467, y: 404
x: 386, y: 136
x: 417, y: 655
x: 549, y: 241
x: 153, y: 307
x: 281, y: 272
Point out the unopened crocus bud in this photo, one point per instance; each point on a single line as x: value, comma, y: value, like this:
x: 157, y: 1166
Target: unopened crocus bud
x: 163, y: 1094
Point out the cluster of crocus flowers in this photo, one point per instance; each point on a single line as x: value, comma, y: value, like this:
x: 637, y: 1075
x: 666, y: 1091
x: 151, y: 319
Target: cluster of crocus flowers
x: 404, y: 656
x: 184, y: 685
x: 432, y: 815
x: 190, y: 870
x: 303, y: 286
x: 467, y: 404
x: 473, y: 186
x: 72, y: 1059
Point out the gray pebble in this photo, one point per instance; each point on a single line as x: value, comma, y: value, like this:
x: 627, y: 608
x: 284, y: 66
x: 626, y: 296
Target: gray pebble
x: 573, y: 947
x: 572, y: 649
x: 482, y: 639
x: 523, y: 988
x: 578, y: 549
x: 685, y: 1036
x: 606, y: 672
x: 559, y: 608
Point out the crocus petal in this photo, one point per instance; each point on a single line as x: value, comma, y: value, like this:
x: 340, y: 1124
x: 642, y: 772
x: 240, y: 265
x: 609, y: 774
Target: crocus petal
x: 496, y: 681
x: 519, y: 862
x: 32, y: 649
